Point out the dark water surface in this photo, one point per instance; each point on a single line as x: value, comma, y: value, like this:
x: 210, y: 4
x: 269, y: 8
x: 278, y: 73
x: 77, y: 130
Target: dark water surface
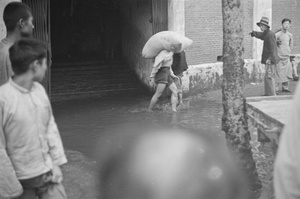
x: 82, y: 123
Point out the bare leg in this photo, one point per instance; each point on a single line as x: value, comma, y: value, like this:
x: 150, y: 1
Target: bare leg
x: 174, y: 97
x: 159, y: 90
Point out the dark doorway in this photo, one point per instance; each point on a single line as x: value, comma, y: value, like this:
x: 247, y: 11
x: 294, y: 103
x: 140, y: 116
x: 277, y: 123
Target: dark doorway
x: 159, y: 15
x: 41, y: 15
x: 85, y: 30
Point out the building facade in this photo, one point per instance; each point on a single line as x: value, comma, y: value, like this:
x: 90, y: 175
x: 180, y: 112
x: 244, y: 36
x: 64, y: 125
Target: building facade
x: 201, y: 21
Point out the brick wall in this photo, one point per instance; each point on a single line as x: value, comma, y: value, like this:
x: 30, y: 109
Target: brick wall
x: 203, y: 24
x: 248, y: 27
x: 288, y: 9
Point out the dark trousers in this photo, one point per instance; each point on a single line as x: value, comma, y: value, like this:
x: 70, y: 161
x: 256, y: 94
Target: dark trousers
x: 42, y: 187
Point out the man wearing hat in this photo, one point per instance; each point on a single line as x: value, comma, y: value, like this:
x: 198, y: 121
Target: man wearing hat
x: 269, y: 55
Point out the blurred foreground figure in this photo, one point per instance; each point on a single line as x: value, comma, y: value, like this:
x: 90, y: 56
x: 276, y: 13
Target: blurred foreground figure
x: 287, y: 162
x: 167, y: 163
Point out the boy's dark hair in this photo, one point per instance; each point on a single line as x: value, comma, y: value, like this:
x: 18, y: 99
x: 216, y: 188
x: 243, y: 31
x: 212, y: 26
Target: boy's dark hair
x: 13, y: 12
x: 24, y: 52
x: 285, y: 19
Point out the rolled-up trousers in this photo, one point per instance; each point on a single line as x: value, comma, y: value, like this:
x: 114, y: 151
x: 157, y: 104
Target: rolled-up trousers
x: 42, y: 187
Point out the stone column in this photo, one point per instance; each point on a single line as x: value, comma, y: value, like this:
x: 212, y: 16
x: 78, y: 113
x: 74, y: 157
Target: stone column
x: 2, y: 26
x: 176, y: 18
x: 261, y: 8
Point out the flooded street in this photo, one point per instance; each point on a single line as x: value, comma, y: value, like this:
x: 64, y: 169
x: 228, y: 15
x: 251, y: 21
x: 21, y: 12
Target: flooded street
x: 83, y: 123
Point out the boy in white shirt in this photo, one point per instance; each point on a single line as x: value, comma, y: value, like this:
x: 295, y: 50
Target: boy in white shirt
x: 29, y: 138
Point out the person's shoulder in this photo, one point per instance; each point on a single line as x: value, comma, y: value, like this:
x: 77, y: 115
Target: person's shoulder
x: 278, y: 33
x: 163, y: 53
x: 271, y: 32
x: 268, y: 33
x: 39, y: 87
x: 41, y: 90
x: 3, y: 47
x: 6, y: 93
x: 4, y: 87
x: 289, y: 34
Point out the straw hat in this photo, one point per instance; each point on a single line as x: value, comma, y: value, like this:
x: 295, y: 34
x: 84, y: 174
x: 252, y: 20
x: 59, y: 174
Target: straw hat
x: 264, y: 21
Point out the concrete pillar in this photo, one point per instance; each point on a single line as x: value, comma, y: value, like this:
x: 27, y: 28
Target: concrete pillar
x: 176, y: 18
x: 2, y: 26
x: 261, y: 8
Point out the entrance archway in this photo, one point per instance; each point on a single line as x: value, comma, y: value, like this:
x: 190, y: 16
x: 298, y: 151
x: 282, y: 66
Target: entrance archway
x: 96, y: 44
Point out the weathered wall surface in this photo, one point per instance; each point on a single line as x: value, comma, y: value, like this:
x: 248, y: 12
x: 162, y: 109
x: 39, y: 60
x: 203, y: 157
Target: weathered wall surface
x: 288, y: 9
x: 204, y: 25
x: 206, y: 77
x: 136, y: 30
x: 176, y: 16
x: 2, y: 26
x: 248, y: 27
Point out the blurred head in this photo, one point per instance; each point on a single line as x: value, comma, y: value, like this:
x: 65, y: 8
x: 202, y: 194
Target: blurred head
x: 167, y: 163
x: 286, y: 23
x: 17, y: 17
x: 29, y: 55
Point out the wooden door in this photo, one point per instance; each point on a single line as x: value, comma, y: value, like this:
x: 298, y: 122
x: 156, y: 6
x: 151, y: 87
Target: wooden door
x: 41, y: 17
x: 159, y: 15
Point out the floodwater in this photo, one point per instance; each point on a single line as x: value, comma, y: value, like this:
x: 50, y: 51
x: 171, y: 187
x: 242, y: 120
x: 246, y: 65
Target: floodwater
x: 82, y: 123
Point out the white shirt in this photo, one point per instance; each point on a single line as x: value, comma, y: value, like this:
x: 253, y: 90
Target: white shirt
x: 163, y: 59
x: 32, y: 140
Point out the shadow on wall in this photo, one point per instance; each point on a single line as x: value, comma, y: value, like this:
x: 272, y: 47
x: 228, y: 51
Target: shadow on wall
x: 134, y: 41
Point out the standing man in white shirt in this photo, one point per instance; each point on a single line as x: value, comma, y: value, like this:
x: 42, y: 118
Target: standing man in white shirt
x: 284, y: 44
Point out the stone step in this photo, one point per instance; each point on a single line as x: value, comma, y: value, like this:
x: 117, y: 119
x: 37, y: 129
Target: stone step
x: 87, y: 66
x: 89, y: 94
x: 95, y: 75
x: 92, y: 79
x: 88, y: 87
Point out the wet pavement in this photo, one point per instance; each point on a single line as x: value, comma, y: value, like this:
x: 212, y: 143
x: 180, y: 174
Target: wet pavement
x: 83, y: 123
